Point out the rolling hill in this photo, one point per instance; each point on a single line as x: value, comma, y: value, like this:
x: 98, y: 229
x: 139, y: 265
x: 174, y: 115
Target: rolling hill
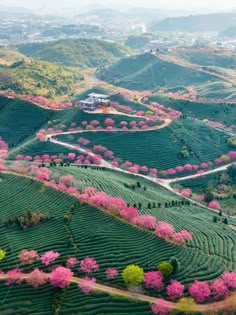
x: 76, y: 52
x: 147, y: 71
x: 29, y: 76
x: 209, y: 57
x: 195, y: 23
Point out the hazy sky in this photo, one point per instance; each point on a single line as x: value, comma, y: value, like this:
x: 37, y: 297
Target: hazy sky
x: 164, y: 4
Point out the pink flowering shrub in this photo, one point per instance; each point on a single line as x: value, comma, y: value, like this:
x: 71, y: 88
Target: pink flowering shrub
x: 175, y: 289
x: 214, y: 205
x: 71, y: 262
x: 153, y: 279
x: 86, y: 285
x: 37, y: 278
x: 219, y: 288
x: 61, y: 277
x: 14, y: 276
x: 161, y: 307
x: 111, y: 273
x: 28, y: 257
x: 48, y: 257
x: 200, y: 290
x: 164, y: 230
x: 229, y: 279
x: 186, y: 192
x: 89, y: 265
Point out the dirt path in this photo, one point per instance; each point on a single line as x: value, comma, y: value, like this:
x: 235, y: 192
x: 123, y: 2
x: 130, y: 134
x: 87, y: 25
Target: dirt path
x: 229, y: 303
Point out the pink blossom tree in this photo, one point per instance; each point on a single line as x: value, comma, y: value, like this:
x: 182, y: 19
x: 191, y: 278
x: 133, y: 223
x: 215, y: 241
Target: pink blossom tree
x: 153, y: 279
x: 28, y: 257
x: 161, y: 307
x: 61, y: 277
x: 219, y: 288
x: 71, y: 262
x: 164, y: 230
x: 111, y: 273
x: 229, y: 279
x: 175, y: 289
x: 87, y: 284
x: 214, y: 205
x: 37, y: 278
x: 48, y: 257
x: 89, y: 265
x: 200, y: 290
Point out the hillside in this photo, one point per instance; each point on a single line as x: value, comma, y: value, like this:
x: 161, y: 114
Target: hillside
x: 195, y: 23
x: 76, y: 52
x: 147, y: 71
x: 28, y: 76
x: 208, y: 57
x: 229, y: 32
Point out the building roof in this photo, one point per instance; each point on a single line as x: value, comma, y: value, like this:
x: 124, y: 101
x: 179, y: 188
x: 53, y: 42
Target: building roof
x: 98, y: 95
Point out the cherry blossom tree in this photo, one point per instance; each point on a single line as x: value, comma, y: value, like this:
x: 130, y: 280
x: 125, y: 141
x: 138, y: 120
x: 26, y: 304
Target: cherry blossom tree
x: 14, y: 276
x: 48, y: 257
x: 219, y: 288
x: 175, y: 289
x: 161, y: 307
x: 37, y: 278
x: 200, y: 290
x: 153, y: 279
x: 71, y: 262
x: 214, y: 205
x: 87, y: 284
x: 28, y: 257
x: 111, y: 273
x: 61, y: 277
x: 164, y: 230
x: 229, y: 279
x: 89, y: 265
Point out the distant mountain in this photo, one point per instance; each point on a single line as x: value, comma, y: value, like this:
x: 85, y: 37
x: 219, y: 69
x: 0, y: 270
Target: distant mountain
x: 14, y: 11
x: 196, y: 23
x: 76, y: 52
x: 229, y: 32
x: 147, y: 71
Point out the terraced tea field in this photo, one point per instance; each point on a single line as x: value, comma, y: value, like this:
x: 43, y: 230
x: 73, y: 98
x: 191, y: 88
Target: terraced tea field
x: 160, y: 148
x: 223, y: 113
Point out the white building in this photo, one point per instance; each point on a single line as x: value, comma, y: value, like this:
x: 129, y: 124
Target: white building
x: 93, y: 101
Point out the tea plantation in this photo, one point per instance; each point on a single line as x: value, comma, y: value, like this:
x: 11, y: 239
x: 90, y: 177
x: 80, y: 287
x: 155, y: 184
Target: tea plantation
x: 160, y: 148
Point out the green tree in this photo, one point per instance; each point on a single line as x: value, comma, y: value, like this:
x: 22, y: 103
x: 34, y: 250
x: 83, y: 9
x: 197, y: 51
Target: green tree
x: 209, y: 196
x: 186, y: 305
x: 133, y: 275
x: 3, y: 254
x: 175, y: 263
x: 165, y: 268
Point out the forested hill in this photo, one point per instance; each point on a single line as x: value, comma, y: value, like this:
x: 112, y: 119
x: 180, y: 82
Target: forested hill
x: 196, y: 23
x: 76, y: 52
